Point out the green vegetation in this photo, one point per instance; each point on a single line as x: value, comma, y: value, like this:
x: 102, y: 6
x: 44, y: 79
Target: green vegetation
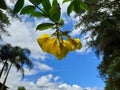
x: 103, y: 21
x: 21, y: 88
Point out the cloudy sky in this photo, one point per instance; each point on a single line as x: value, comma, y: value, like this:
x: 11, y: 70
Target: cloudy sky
x: 77, y: 71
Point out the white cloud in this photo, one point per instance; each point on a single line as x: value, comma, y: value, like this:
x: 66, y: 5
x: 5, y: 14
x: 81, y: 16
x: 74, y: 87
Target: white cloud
x: 45, y: 67
x: 42, y: 67
x: 85, y: 49
x: 65, y: 86
x: 37, y: 67
x: 11, y: 3
x: 43, y: 83
x: 29, y: 72
x: 27, y: 2
x: 46, y: 82
x: 76, y: 32
x: 23, y: 34
x: 63, y: 6
x: 94, y: 88
x: 56, y: 78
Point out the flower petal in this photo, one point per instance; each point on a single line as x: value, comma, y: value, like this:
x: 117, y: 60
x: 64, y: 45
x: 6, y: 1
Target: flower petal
x: 79, y: 44
x: 51, y: 45
x: 42, y: 41
x: 61, y: 51
x: 68, y: 45
x: 76, y: 42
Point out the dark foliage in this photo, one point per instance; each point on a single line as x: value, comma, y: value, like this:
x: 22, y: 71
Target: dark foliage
x: 103, y: 21
x: 15, y: 55
x: 5, y: 13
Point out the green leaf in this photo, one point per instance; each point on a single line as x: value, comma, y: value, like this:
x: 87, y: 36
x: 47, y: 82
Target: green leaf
x: 18, y: 6
x: 64, y: 1
x: 28, y: 9
x: 3, y: 4
x: 37, y: 2
x: 83, y: 6
x: 44, y: 26
x: 37, y: 14
x: 55, y: 12
x: 70, y: 8
x: 46, y: 5
x: 76, y: 5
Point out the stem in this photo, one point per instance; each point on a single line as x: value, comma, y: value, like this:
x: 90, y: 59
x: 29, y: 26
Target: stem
x: 58, y: 33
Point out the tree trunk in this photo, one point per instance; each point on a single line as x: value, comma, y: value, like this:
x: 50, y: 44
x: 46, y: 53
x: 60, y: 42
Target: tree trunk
x: 3, y: 85
x: 3, y: 68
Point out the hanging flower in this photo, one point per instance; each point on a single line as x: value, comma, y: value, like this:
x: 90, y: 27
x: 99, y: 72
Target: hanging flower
x: 58, y: 47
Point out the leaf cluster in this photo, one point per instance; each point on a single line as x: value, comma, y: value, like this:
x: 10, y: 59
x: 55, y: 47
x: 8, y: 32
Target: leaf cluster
x: 41, y: 9
x: 46, y: 9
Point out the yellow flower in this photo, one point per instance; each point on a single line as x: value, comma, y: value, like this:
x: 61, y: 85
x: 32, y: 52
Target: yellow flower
x: 69, y: 45
x: 79, y: 44
x: 42, y: 41
x: 72, y: 44
x: 58, y: 48
x: 61, y: 51
x: 50, y: 45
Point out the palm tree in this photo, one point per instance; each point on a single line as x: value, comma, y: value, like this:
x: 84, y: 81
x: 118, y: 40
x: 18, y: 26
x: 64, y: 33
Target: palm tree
x: 4, y: 56
x: 16, y: 56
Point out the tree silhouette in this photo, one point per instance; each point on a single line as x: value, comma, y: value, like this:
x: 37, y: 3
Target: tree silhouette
x: 14, y: 55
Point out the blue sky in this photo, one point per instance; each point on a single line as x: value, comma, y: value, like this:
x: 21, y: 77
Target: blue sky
x: 78, y: 70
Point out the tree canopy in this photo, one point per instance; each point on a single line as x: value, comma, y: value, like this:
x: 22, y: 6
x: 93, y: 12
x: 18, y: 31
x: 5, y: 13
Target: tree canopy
x: 103, y: 22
